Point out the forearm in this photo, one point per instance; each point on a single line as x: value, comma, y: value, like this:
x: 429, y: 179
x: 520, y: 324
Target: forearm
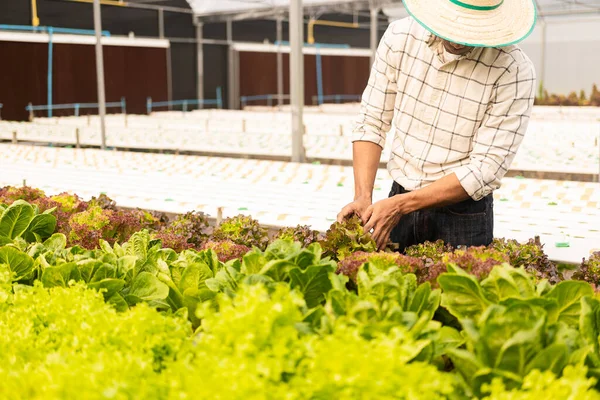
x: 366, y: 157
x: 445, y: 191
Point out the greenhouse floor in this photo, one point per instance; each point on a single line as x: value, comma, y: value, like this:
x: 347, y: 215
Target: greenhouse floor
x: 277, y: 193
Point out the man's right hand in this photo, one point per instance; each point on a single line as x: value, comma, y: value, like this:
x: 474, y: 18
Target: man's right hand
x: 358, y: 207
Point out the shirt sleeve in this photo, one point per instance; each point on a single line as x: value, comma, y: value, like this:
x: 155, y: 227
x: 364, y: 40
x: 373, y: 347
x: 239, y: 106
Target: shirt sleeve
x: 377, y: 105
x: 501, y: 133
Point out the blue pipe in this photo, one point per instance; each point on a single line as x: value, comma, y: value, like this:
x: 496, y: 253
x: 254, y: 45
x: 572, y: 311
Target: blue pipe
x: 50, y: 57
x: 319, y: 77
x: 7, y: 27
x: 74, y: 106
x: 219, y: 98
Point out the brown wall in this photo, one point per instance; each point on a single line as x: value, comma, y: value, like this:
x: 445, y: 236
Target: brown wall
x: 24, y: 80
x: 341, y: 74
x: 131, y: 72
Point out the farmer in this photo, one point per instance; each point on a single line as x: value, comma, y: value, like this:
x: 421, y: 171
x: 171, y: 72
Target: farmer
x: 458, y: 93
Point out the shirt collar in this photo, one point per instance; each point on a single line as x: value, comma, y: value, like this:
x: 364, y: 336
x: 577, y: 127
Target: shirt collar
x: 433, y: 41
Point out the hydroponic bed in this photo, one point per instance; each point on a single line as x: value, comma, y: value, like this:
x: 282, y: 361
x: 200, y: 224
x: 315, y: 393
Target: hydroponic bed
x: 280, y: 193
x: 571, y: 145
x: 94, y: 304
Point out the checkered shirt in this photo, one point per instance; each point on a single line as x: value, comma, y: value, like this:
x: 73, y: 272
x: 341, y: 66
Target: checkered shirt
x: 466, y: 116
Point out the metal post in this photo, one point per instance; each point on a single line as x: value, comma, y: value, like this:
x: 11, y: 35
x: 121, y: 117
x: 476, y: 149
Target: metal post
x: 199, y: 65
x: 233, y: 80
x: 319, y: 76
x: 543, y: 66
x: 169, y: 77
x: 161, y: 23
x: 100, y: 72
x: 50, y: 62
x: 374, y: 33
x: 296, y: 25
x: 229, y: 27
x: 77, y: 142
x: 231, y: 71
x: 279, y: 62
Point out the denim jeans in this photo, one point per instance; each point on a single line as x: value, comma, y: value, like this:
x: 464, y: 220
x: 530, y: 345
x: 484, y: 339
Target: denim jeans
x: 468, y: 223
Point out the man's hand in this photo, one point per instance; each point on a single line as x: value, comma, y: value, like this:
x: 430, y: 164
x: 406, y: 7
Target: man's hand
x: 358, y: 207
x: 382, y: 217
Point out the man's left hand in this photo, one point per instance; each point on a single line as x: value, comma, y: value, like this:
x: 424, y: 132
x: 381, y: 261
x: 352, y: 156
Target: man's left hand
x: 382, y: 217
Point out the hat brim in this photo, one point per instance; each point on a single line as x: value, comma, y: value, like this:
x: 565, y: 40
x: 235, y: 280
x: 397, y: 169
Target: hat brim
x: 508, y: 24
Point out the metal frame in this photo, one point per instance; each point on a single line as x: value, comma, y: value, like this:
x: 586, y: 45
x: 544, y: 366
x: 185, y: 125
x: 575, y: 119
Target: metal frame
x: 100, y: 72
x: 75, y: 107
x: 233, y: 79
x: 297, y: 79
x: 279, y: 62
x: 144, y: 6
x: 272, y: 12
x: 199, y: 62
x: 374, y: 37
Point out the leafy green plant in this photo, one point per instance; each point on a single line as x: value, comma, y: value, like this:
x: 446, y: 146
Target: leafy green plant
x: 10, y: 194
x: 89, y: 227
x: 22, y: 220
x: 350, y: 265
x: 572, y: 385
x: 512, y: 324
x: 301, y: 233
x: 66, y: 343
x: 242, y: 230
x: 589, y: 270
x: 303, y: 268
x: 431, y: 253
x: 258, y: 335
x: 510, y: 341
x: 531, y: 256
x: 589, y: 326
x: 227, y: 250
x: 187, y: 231
x: 477, y: 261
x: 347, y: 237
x: 467, y: 298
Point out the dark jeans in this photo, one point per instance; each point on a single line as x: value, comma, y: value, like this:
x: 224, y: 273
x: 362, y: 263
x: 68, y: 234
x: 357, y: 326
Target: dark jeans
x: 469, y: 223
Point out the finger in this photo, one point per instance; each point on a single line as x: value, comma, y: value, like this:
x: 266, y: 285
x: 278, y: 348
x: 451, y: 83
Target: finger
x: 344, y: 213
x: 377, y: 237
x: 366, y: 216
x: 371, y: 225
x: 382, y: 240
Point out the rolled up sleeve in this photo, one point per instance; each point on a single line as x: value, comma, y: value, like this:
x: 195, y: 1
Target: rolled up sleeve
x: 377, y: 105
x: 502, y: 130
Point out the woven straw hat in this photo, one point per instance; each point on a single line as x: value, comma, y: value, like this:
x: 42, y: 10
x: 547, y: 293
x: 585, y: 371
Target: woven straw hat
x: 479, y: 23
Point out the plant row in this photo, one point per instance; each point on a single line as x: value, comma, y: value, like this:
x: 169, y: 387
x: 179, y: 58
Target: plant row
x: 573, y: 99
x: 239, y: 315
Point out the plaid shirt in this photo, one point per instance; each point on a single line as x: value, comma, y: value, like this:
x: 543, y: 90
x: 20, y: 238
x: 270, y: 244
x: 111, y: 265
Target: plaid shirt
x: 466, y: 116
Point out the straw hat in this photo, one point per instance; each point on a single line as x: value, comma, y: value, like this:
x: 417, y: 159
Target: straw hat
x: 479, y: 23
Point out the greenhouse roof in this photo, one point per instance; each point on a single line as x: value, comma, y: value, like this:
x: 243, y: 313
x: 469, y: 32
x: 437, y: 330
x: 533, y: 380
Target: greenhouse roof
x: 251, y: 9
